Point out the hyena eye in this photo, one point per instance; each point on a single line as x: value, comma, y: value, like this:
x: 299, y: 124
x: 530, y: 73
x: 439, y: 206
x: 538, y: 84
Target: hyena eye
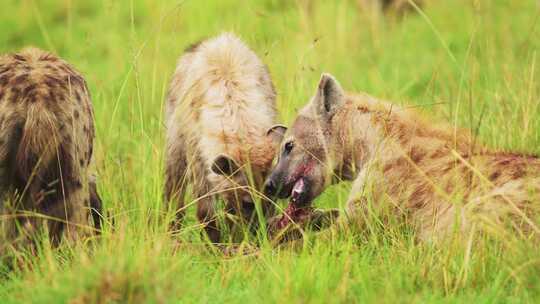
x: 288, y: 147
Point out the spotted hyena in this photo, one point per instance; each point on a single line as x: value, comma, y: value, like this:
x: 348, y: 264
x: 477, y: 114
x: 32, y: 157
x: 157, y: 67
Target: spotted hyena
x: 397, y: 6
x: 434, y: 175
x: 220, y: 104
x: 46, y: 137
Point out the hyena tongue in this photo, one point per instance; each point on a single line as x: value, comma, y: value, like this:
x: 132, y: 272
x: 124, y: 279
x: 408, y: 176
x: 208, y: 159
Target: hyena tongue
x: 297, y: 190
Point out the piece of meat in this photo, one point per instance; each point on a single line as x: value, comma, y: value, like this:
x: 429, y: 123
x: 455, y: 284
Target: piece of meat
x: 293, y: 214
x: 280, y: 228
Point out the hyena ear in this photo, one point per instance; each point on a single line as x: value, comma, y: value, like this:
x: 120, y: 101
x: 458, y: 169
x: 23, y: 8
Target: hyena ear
x: 276, y: 133
x: 329, y: 96
x: 224, y: 165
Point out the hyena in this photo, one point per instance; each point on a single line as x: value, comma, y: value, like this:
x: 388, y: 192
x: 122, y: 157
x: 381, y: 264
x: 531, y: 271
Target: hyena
x: 434, y: 175
x: 220, y: 104
x: 397, y: 6
x: 46, y: 139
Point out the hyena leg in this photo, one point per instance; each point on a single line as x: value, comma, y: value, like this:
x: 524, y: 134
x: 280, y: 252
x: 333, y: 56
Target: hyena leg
x: 240, y: 218
x: 15, y: 227
x: 4, y: 185
x: 71, y: 211
x: 206, y: 211
x: 357, y: 205
x: 96, y: 207
x: 368, y: 182
x: 4, y: 172
x: 24, y: 220
x: 175, y: 184
x: 78, y: 215
x: 7, y: 143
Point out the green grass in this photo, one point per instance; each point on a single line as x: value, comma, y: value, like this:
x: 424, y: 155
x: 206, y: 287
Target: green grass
x: 473, y: 63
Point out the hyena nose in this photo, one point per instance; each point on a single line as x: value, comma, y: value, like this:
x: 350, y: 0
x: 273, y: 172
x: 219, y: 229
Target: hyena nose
x: 270, y: 188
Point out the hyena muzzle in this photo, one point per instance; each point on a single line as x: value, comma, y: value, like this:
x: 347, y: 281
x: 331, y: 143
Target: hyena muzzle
x: 46, y: 142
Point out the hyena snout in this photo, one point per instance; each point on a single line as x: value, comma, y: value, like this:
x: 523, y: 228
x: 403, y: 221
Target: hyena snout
x: 276, y: 186
x: 270, y: 188
x: 301, y: 182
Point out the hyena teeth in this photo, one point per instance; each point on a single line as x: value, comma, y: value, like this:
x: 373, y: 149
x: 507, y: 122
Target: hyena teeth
x: 297, y: 190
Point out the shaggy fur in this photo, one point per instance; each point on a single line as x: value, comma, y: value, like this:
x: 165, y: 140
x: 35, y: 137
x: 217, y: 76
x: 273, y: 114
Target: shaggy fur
x: 221, y: 101
x: 434, y: 175
x: 46, y: 137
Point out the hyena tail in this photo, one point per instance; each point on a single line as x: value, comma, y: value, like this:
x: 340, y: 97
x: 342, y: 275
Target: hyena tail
x: 39, y: 140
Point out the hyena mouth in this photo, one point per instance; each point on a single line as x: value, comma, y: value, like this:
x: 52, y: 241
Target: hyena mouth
x: 298, y: 190
x: 299, y: 207
x: 300, y: 193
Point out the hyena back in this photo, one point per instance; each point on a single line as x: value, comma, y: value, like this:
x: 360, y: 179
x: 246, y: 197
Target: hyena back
x: 46, y: 138
x: 438, y: 177
x: 220, y: 103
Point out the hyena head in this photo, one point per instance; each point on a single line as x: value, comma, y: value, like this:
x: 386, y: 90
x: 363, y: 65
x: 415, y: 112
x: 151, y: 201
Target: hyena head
x: 239, y: 184
x: 309, y: 152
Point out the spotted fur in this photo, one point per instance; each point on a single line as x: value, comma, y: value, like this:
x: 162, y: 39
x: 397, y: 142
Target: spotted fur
x: 46, y: 141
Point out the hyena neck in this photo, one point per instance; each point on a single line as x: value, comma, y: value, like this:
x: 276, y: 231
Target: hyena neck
x: 382, y: 133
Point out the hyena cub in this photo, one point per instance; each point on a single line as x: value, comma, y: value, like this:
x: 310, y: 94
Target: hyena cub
x: 439, y: 180
x: 46, y: 136
x: 220, y: 104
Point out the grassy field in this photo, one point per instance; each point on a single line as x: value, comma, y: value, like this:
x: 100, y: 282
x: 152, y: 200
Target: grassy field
x: 472, y: 63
